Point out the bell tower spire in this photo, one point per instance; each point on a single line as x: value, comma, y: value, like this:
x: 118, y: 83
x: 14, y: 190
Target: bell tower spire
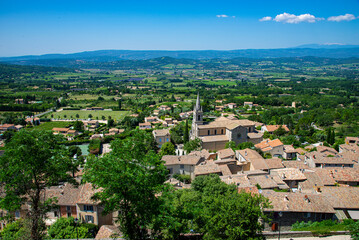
x: 197, y: 118
x: 198, y: 103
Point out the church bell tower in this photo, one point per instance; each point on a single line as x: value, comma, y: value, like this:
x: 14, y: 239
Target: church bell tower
x: 197, y: 118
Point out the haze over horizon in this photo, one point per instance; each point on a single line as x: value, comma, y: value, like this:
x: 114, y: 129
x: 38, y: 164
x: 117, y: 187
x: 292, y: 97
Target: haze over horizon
x: 50, y: 27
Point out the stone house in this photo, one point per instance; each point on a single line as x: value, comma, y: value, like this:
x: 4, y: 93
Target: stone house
x: 151, y: 119
x: 161, y: 136
x: 345, y: 201
x: 252, y: 159
x: 291, y: 176
x: 274, y: 147
x: 255, y: 137
x: 90, y: 211
x: 289, y: 152
x: 352, y: 140
x: 6, y: 127
x: 289, y: 207
x: 232, y: 105
x: 33, y: 120
x: 144, y: 126
x: 272, y: 128
x: 322, y: 159
x: 91, y: 125
x: 249, y: 104
x: 62, y: 131
x: 184, y: 164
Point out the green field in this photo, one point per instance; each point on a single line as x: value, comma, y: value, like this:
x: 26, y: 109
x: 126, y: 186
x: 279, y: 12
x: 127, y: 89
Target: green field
x: 83, y: 114
x: 88, y: 97
x: 51, y: 125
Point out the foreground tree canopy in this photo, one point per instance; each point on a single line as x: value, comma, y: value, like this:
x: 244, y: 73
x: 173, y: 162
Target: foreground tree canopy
x: 130, y: 177
x: 33, y: 160
x: 212, y: 208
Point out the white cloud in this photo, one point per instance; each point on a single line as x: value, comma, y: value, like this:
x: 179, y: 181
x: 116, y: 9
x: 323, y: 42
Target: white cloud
x: 346, y: 17
x: 291, y: 18
x: 264, y: 19
x: 222, y: 16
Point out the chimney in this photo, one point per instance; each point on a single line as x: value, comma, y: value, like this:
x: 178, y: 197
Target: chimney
x: 245, y: 153
x: 306, y: 198
x: 286, y: 198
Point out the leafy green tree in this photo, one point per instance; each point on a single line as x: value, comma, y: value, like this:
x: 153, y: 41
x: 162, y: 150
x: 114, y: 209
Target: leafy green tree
x: 7, y: 135
x: 245, y: 145
x: 213, y: 208
x: 16, y: 230
x: 167, y: 149
x: 110, y: 122
x: 77, y: 116
x: 192, y: 145
x: 74, y: 150
x: 231, y: 144
x: 186, y: 134
x: 131, y: 184
x: 65, y: 228
x: 78, y: 125
x: 33, y: 161
x: 95, y: 146
x: 354, y: 230
x: 266, y: 135
x: 280, y: 131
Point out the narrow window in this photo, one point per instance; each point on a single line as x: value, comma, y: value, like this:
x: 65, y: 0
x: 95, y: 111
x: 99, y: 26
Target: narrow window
x: 89, y: 219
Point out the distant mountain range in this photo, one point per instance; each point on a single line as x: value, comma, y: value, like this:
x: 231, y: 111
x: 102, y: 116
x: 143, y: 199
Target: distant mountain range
x: 315, y: 50
x: 327, y: 46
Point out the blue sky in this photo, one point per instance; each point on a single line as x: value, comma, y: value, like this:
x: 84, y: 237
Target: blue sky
x: 52, y: 26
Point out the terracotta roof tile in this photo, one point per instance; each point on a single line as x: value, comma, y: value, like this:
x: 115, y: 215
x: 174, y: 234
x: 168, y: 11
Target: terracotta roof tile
x: 342, y: 197
x: 297, y: 202
x: 225, y: 153
x: 274, y: 163
x: 185, y: 159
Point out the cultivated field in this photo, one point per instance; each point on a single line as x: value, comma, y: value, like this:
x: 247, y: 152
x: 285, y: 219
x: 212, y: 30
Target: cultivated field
x: 83, y: 114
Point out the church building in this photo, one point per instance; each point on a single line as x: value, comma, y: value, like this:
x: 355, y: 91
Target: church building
x: 216, y: 134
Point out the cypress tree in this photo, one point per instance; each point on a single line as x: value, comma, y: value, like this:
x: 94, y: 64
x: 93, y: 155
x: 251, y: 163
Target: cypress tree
x: 119, y: 104
x: 185, y: 135
x: 329, y: 135
x: 332, y: 140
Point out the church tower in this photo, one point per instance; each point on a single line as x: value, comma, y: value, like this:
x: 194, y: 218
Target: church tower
x: 197, y: 118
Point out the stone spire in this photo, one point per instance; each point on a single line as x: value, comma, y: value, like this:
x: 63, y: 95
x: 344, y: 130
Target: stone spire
x: 198, y: 103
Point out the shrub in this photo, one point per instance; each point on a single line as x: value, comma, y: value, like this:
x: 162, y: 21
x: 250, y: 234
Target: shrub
x: 183, y: 178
